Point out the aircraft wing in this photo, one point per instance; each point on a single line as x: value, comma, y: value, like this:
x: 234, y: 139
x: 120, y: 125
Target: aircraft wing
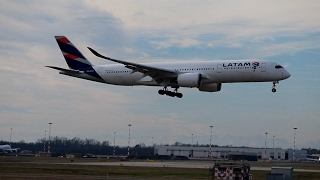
x: 158, y: 74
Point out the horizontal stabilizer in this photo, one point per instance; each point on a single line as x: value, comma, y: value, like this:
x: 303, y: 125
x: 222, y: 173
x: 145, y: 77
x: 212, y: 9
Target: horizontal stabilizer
x: 65, y: 70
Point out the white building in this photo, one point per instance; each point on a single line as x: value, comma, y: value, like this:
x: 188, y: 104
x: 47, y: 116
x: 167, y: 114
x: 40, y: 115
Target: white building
x: 218, y: 152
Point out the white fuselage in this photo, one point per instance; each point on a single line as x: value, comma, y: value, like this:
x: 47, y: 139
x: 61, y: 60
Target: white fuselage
x: 5, y: 149
x: 207, y: 76
x: 224, y: 71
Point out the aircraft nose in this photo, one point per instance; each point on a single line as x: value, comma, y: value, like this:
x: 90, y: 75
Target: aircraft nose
x: 286, y: 74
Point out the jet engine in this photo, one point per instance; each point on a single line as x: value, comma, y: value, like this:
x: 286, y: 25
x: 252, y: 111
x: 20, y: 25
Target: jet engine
x: 215, y: 87
x: 189, y: 80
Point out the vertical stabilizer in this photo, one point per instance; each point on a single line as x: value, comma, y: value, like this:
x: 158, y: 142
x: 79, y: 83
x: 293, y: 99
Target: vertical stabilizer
x: 72, y: 55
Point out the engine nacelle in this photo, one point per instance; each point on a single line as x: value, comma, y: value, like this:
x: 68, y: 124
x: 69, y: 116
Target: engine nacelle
x: 215, y: 87
x: 189, y: 80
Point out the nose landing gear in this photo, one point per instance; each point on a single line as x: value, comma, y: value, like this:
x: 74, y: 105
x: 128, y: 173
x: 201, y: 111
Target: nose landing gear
x: 274, y: 86
x: 170, y: 93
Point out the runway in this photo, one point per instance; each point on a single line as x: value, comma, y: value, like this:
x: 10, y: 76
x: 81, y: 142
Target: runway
x: 178, y: 164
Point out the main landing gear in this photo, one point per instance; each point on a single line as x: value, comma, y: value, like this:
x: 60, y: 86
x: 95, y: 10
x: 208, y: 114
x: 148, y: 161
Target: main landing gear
x: 274, y: 86
x: 170, y: 93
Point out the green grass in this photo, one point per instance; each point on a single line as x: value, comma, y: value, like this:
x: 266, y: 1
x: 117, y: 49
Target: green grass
x: 110, y: 171
x: 49, y: 167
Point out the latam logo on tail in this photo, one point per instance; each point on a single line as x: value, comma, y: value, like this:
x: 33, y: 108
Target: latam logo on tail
x: 206, y: 76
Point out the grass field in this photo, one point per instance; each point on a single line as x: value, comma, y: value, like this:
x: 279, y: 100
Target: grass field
x: 47, y: 168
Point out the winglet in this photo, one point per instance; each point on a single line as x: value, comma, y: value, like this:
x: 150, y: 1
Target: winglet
x: 98, y: 54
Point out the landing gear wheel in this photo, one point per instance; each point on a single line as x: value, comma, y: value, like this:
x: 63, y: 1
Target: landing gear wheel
x: 175, y: 93
x: 274, y: 86
x: 171, y: 94
x: 179, y: 95
x: 161, y: 92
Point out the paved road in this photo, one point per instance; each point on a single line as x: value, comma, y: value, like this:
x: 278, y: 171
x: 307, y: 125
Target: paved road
x: 45, y: 176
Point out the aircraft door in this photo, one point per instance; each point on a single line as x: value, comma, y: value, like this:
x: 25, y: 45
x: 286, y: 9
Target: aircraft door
x: 219, y: 68
x: 263, y: 67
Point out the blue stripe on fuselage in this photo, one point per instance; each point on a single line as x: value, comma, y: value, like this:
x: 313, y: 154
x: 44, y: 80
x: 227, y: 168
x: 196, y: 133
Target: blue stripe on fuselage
x: 90, y: 71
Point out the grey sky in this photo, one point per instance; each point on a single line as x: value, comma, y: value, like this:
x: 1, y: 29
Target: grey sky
x: 287, y: 32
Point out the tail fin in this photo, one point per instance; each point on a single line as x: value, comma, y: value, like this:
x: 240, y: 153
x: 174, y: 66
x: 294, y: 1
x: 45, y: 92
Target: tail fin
x: 72, y: 55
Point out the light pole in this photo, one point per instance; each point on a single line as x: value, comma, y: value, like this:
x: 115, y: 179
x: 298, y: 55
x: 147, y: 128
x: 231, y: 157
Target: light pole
x: 45, y: 140
x: 129, y: 140
x: 210, y: 141
x: 49, y: 137
x: 294, y: 142
x: 273, y: 142
x: 152, y: 141
x: 192, y: 140
x: 265, y: 146
x: 10, y: 135
x: 114, y: 143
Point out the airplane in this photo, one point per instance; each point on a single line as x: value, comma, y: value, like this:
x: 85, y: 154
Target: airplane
x: 313, y: 157
x: 5, y: 149
x: 207, y: 76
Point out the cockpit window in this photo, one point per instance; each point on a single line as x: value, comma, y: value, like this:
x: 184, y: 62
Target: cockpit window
x: 278, y: 67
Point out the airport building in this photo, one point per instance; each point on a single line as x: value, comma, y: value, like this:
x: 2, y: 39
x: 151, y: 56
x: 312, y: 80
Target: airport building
x: 233, y: 153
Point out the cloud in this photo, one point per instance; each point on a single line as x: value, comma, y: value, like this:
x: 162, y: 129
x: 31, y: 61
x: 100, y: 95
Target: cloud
x: 182, y: 43
x: 278, y: 47
x: 166, y: 15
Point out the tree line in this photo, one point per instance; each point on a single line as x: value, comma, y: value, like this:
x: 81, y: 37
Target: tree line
x: 64, y: 145
x: 91, y: 146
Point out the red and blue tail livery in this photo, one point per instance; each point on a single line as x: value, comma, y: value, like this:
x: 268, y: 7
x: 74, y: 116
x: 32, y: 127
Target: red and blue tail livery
x: 206, y: 76
x: 72, y: 55
x: 74, y: 58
